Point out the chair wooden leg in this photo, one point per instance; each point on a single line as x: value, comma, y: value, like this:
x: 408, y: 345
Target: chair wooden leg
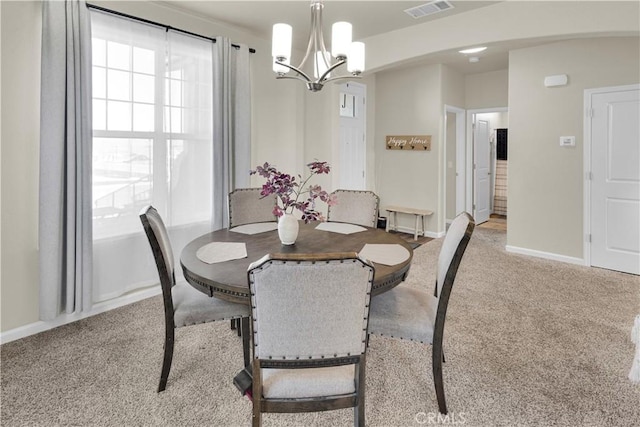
x: 358, y: 410
x: 358, y: 416
x: 234, y: 324
x: 437, y: 360
x: 256, y: 420
x: 168, y: 357
x: 246, y: 342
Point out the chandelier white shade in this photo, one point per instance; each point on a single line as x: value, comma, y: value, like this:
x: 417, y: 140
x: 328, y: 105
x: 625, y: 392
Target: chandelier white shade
x: 340, y: 39
x: 355, y: 59
x: 281, y: 46
x: 343, y: 49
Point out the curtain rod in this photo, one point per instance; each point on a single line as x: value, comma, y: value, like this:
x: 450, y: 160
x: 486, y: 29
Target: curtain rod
x: 157, y: 24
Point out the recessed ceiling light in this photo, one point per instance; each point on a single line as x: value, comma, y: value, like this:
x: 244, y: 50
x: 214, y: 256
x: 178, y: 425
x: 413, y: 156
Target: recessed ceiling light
x: 473, y: 50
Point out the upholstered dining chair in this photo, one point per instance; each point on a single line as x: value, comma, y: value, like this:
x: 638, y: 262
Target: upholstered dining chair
x: 354, y: 207
x: 299, y: 303
x: 184, y: 305
x: 418, y: 315
x: 247, y: 206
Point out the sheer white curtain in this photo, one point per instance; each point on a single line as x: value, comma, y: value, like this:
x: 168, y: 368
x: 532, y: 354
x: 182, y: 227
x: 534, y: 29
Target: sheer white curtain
x: 152, y: 145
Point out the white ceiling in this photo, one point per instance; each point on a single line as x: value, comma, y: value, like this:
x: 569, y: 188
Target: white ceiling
x: 369, y: 18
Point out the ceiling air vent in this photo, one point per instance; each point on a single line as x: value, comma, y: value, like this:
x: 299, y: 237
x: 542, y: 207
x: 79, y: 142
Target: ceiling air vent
x: 429, y: 8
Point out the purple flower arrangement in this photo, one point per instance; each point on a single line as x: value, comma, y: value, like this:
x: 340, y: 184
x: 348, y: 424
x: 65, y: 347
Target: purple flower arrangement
x: 289, y: 190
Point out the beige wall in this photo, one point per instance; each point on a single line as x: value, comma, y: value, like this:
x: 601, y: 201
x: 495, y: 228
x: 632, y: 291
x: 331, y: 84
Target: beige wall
x: 322, y: 131
x: 453, y: 87
x: 278, y: 124
x: 21, y: 28
x: 505, y: 20
x: 545, y: 207
x: 487, y: 90
x: 409, y: 102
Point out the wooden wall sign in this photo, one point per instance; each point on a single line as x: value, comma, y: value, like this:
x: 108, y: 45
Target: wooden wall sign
x: 409, y: 142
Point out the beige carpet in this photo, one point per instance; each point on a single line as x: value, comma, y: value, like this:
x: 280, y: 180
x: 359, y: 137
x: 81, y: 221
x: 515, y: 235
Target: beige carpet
x: 528, y: 342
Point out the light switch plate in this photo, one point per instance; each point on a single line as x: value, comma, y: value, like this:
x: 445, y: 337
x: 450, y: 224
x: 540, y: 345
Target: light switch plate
x: 567, y: 141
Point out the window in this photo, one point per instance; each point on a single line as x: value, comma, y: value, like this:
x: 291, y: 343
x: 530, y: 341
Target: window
x: 152, y: 144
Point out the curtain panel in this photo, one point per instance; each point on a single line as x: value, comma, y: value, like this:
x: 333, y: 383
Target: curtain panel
x: 163, y: 135
x: 232, y: 133
x: 65, y: 237
x: 131, y: 114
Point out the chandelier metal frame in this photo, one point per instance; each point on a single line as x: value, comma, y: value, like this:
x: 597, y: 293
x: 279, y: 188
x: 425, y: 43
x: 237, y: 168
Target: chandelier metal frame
x: 316, y: 50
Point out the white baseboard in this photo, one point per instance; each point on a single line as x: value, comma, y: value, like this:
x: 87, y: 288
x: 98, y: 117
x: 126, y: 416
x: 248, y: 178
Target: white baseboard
x: 545, y: 255
x: 41, y: 326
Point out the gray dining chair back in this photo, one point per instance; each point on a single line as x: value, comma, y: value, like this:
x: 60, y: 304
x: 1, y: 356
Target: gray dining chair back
x: 248, y: 206
x: 184, y: 305
x: 354, y: 207
x: 299, y: 303
x: 419, y: 315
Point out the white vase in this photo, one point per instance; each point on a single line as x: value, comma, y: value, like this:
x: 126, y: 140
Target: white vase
x: 288, y: 229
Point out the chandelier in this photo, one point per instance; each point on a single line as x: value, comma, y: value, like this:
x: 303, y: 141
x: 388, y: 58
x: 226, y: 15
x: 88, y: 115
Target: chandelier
x: 342, y: 49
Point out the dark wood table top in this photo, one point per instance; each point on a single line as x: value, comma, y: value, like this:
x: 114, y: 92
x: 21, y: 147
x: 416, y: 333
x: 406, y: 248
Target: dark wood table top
x: 228, y: 280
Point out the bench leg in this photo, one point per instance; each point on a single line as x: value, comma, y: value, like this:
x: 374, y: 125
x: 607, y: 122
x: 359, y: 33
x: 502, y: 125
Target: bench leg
x: 424, y: 225
x: 392, y: 225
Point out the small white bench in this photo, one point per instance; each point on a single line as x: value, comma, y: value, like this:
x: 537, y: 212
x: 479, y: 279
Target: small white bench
x: 419, y: 214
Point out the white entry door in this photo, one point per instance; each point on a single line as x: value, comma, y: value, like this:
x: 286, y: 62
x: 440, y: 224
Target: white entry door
x: 615, y: 179
x: 352, y: 137
x: 482, y: 175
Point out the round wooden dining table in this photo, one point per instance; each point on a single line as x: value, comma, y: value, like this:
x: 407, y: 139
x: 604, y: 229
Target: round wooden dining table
x: 228, y: 280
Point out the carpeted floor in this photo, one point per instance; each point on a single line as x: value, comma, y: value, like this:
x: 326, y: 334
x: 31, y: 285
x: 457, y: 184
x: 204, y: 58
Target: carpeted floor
x: 528, y: 342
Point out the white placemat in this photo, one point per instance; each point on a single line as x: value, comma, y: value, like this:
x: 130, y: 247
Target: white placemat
x: 340, y: 227
x: 221, y: 251
x: 258, y: 227
x: 387, y: 254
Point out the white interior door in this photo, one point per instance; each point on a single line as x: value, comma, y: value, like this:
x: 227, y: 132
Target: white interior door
x: 352, y: 172
x: 615, y: 180
x: 482, y: 175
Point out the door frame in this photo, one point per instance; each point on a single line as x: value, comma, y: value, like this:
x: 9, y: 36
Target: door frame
x: 469, y: 152
x: 363, y: 109
x: 483, y: 183
x: 586, y: 166
x: 460, y: 159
